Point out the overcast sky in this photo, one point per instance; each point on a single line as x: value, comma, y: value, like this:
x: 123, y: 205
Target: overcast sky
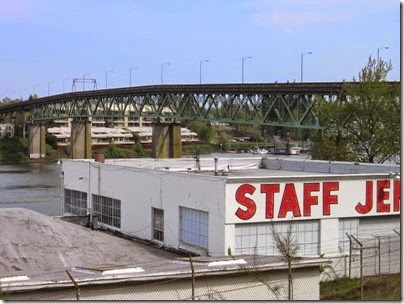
x: 45, y: 42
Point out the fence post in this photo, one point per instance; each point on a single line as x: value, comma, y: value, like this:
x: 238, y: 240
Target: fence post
x: 361, y: 264
x: 75, y: 285
x: 380, y: 256
x: 350, y: 253
x: 193, y: 277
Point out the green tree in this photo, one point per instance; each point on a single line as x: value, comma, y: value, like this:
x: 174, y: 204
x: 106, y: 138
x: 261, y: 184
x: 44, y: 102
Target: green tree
x: 203, y: 130
x: 51, y: 140
x: 363, y: 125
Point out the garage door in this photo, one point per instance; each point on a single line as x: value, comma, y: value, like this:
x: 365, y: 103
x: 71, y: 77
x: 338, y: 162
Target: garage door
x: 381, y: 244
x: 378, y: 226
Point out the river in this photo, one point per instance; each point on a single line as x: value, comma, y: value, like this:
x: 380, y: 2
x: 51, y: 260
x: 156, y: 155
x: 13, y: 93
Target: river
x: 36, y: 186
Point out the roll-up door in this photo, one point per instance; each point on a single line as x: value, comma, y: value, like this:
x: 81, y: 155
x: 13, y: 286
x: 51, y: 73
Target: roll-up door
x: 378, y: 226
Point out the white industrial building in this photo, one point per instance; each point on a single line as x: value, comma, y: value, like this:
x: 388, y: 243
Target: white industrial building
x: 232, y: 206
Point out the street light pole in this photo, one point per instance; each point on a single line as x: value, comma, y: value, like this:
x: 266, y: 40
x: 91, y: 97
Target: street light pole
x: 301, y: 65
x: 130, y: 75
x: 84, y: 79
x: 106, y: 78
x: 378, y: 53
x: 200, y: 69
x: 162, y: 69
x: 242, y: 68
x: 64, y: 79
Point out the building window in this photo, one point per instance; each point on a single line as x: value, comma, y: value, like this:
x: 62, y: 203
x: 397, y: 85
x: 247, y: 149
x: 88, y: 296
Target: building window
x: 75, y: 202
x: 259, y: 238
x: 158, y: 224
x: 307, y: 237
x: 350, y: 226
x: 194, y: 227
x: 108, y: 210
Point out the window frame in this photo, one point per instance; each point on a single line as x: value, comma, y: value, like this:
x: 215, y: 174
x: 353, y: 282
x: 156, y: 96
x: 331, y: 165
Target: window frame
x: 108, y: 210
x: 158, y: 224
x: 194, y: 227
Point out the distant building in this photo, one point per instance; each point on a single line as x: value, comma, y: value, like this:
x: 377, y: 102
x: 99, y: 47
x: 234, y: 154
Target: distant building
x: 6, y: 130
x: 103, y: 136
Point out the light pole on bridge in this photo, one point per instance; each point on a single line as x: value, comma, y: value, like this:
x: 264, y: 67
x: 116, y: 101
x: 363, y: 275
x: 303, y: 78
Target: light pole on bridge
x: 301, y: 64
x: 162, y: 70
x: 200, y: 69
x: 106, y: 78
x: 378, y: 52
x: 242, y: 67
x: 130, y: 75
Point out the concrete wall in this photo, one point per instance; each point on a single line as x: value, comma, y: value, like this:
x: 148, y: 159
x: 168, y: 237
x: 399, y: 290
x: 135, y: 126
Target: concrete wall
x: 139, y: 190
x: 247, y: 286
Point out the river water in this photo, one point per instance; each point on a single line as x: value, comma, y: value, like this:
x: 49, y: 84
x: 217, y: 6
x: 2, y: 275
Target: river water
x: 33, y: 186
x: 36, y: 186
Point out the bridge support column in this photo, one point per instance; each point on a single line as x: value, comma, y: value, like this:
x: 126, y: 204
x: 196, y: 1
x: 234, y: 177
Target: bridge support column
x: 166, y: 141
x: 20, y: 122
x: 36, y: 141
x: 80, y: 140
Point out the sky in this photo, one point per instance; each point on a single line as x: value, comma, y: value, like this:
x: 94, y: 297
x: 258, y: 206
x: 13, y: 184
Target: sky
x: 45, y: 44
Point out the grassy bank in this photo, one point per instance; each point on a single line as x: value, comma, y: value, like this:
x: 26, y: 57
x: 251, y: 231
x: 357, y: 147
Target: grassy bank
x: 376, y: 288
x: 14, y: 150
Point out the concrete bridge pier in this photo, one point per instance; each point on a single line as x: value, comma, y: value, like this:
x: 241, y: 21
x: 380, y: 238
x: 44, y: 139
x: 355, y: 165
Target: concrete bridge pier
x: 166, y: 141
x: 36, y: 141
x: 80, y: 140
x: 20, y: 123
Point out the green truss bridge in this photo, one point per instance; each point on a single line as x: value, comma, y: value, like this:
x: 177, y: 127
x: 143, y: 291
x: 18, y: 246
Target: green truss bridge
x: 289, y: 105
x: 274, y: 104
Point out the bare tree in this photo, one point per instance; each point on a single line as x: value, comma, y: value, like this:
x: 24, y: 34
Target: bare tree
x: 288, y: 247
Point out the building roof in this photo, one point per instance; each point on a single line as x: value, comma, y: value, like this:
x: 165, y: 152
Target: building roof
x: 258, y: 167
x: 36, y: 251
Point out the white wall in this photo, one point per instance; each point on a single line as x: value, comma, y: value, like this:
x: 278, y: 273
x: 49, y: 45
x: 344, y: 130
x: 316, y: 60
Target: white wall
x: 141, y: 189
x: 246, y: 285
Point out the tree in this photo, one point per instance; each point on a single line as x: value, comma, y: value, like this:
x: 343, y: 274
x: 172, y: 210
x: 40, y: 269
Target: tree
x: 288, y: 247
x: 364, y: 124
x: 203, y: 130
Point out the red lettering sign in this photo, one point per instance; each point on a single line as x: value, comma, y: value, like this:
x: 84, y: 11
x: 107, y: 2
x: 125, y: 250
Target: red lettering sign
x: 270, y: 191
x: 396, y: 196
x: 363, y: 209
x: 289, y: 202
x: 329, y: 199
x: 382, y: 196
x: 246, y: 202
x: 309, y: 200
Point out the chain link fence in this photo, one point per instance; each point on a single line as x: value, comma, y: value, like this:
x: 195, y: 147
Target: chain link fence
x: 258, y: 282
x: 368, y: 257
